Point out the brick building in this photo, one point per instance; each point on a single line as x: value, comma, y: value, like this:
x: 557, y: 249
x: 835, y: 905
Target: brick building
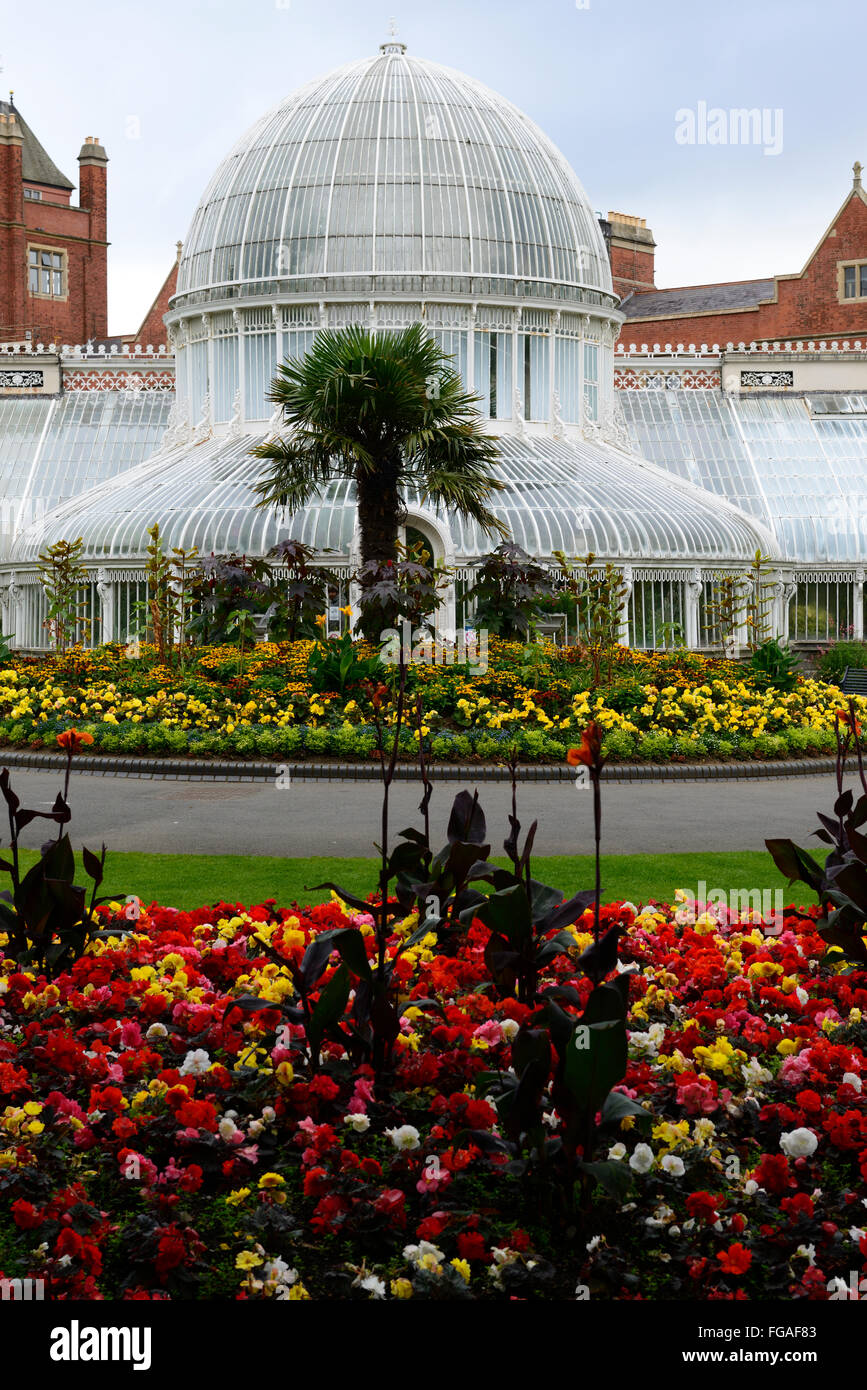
x: 827, y: 299
x: 53, y: 271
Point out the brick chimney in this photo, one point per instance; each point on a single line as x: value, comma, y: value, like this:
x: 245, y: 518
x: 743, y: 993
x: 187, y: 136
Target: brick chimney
x: 92, y: 195
x: 631, y: 248
x: 13, y: 237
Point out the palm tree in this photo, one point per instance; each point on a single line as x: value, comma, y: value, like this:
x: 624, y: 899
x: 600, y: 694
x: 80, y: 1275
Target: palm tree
x: 389, y: 412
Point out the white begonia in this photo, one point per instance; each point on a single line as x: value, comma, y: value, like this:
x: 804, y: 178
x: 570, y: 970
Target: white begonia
x: 227, y: 1128
x: 415, y: 1253
x: 851, y: 1078
x: 405, y: 1138
x: 754, y: 1073
x: 750, y: 1186
x: 371, y: 1284
x: 157, y: 1030
x: 510, y: 1028
x: 195, y: 1063
x: 673, y: 1165
x: 807, y: 1252
x: 617, y: 1151
x: 360, y: 1123
x: 277, y: 1271
x: 642, y: 1159
x: 838, y: 1287
x: 799, y: 1143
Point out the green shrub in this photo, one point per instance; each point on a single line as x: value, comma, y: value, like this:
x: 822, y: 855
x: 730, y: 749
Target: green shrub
x: 288, y: 740
x: 619, y: 743
x: 832, y: 663
x: 317, y: 740
x: 655, y: 747
x: 770, y: 746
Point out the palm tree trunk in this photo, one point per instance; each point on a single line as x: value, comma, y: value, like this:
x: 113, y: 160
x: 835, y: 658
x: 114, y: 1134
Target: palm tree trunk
x: 379, y: 506
x: 378, y: 516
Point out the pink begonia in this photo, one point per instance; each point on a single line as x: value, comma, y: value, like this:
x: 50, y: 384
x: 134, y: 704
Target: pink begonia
x: 429, y: 1183
x: 697, y: 1099
x: 490, y: 1032
x: 794, y: 1068
x: 361, y: 1097
x: 130, y: 1034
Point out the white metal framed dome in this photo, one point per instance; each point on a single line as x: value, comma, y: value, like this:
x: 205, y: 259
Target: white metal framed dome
x: 394, y: 173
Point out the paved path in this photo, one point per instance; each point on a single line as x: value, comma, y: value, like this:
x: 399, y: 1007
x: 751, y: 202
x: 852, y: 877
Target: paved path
x: 327, y: 818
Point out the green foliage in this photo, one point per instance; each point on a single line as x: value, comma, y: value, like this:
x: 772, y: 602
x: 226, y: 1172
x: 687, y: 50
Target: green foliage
x: 338, y: 664
x: 833, y: 662
x: 841, y: 882
x: 45, y: 914
x: 599, y: 595
x: 63, y: 577
x: 507, y: 590
x: 742, y: 601
x: 774, y: 664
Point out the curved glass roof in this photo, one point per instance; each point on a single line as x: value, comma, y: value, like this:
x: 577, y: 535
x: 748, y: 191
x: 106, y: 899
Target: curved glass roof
x: 559, y: 495
x: 799, y: 474
x: 54, y: 448
x: 392, y: 167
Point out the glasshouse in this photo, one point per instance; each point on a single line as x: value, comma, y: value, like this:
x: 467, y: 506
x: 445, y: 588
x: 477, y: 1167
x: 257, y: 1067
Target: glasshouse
x: 393, y: 192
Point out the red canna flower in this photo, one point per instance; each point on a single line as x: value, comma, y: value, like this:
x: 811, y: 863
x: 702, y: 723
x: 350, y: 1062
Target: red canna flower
x: 71, y: 741
x: 590, y: 752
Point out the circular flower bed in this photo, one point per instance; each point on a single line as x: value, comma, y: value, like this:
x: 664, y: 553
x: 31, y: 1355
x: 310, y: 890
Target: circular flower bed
x: 656, y: 708
x: 171, y: 1129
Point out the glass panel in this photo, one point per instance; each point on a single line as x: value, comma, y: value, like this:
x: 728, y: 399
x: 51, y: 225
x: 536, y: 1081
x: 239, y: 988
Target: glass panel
x: 849, y: 282
x: 863, y: 288
x: 34, y: 280
x: 46, y: 282
x: 57, y: 279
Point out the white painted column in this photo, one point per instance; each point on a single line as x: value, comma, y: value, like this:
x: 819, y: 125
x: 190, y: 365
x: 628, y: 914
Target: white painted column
x: 691, y: 609
x: 106, y: 591
x: 238, y: 320
x: 629, y: 581
x: 858, y: 606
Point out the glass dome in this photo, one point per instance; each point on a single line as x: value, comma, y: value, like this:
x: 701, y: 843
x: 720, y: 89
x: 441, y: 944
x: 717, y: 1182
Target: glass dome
x: 394, y: 173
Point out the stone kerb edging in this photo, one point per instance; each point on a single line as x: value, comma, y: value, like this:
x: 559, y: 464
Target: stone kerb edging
x: 228, y: 770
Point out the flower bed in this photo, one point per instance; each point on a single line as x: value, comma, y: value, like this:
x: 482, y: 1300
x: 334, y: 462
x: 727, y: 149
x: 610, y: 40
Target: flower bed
x: 161, y: 1141
x: 657, y: 708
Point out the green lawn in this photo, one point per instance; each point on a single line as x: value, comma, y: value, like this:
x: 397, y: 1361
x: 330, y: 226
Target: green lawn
x: 194, y: 880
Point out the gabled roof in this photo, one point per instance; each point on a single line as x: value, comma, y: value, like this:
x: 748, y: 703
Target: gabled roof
x: 697, y: 299
x: 37, y: 166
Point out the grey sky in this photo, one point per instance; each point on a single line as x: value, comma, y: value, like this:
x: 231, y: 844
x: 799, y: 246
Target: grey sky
x: 169, y: 85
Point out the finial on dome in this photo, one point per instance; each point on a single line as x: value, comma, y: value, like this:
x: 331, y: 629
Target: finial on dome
x: 393, y: 45
x: 856, y: 170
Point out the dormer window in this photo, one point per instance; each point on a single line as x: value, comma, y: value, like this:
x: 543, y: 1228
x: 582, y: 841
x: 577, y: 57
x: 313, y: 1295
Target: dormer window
x: 34, y: 195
